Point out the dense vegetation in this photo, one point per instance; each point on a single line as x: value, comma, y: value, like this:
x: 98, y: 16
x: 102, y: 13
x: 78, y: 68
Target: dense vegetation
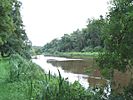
x: 21, y: 79
x: 13, y: 38
x: 87, y: 39
x: 118, y: 34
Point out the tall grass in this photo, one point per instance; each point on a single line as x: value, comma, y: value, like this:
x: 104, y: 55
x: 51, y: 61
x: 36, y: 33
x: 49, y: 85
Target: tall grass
x: 57, y: 88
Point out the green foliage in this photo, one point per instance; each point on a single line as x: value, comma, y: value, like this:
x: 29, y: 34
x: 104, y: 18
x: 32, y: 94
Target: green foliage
x: 118, y: 36
x: 60, y: 89
x: 74, y: 54
x: 88, y: 39
x: 13, y: 38
x: 36, y: 50
x: 20, y: 68
x: 3, y: 70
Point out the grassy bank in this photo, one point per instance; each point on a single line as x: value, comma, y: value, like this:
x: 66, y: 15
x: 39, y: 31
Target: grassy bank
x: 23, y: 80
x: 73, y: 54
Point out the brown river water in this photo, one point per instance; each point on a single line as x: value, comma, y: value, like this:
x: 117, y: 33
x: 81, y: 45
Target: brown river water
x: 77, y: 70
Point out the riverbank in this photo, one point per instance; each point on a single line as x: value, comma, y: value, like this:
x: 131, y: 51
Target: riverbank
x: 83, y: 55
x: 29, y: 82
x: 21, y: 79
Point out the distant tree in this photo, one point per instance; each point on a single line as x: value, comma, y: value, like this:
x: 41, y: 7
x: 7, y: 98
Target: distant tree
x: 65, y: 43
x: 87, y: 39
x: 36, y: 50
x: 51, y: 47
x: 94, y: 32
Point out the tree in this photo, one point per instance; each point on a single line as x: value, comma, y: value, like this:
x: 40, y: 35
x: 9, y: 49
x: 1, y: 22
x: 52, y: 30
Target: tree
x: 118, y: 36
x: 13, y: 38
x: 94, y: 31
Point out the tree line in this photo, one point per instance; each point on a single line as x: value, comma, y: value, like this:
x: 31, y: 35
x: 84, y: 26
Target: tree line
x: 86, y: 39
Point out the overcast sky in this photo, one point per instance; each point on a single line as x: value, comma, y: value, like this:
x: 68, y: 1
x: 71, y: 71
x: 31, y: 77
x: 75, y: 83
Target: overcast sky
x: 45, y: 20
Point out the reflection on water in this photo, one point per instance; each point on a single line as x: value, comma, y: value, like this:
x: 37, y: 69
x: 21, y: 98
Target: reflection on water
x: 73, y: 66
x: 73, y: 69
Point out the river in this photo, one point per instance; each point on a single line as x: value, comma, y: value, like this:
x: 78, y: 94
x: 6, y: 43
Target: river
x: 84, y: 71
x: 71, y: 69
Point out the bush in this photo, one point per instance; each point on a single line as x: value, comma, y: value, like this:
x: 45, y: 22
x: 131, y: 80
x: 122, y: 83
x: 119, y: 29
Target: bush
x: 87, y: 49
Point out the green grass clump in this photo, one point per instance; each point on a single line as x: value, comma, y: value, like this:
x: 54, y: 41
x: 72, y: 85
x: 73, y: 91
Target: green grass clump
x: 12, y: 91
x: 81, y: 54
x: 3, y: 70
